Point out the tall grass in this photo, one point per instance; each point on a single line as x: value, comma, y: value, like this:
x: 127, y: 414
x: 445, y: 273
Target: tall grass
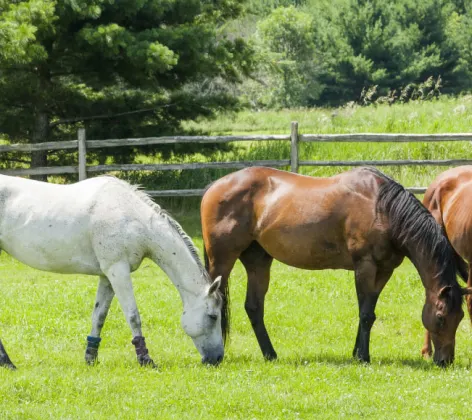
x: 444, y: 115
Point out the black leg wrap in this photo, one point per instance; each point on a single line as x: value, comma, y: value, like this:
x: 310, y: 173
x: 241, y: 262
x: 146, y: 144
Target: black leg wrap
x: 91, y: 352
x: 142, y: 352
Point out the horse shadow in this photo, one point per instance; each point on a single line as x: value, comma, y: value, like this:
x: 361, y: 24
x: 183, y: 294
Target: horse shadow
x: 415, y: 363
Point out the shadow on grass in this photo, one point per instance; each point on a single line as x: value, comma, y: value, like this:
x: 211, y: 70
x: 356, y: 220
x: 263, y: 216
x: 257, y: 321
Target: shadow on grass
x: 339, y: 361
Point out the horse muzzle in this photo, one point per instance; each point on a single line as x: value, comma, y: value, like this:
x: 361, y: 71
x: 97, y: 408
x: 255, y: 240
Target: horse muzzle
x: 213, y: 359
x: 444, y: 356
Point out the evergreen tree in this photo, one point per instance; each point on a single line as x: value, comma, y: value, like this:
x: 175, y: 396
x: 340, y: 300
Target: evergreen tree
x: 121, y: 67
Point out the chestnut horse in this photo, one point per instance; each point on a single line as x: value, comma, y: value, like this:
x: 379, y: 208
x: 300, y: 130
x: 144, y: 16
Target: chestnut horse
x: 449, y: 199
x: 360, y: 220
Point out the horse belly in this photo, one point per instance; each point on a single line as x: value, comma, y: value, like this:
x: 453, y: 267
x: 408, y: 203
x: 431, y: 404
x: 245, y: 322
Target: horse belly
x: 311, y: 252
x: 59, y: 248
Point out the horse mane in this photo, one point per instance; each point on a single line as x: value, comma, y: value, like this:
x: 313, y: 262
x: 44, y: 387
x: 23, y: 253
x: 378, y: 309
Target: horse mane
x: 146, y: 198
x: 415, y: 231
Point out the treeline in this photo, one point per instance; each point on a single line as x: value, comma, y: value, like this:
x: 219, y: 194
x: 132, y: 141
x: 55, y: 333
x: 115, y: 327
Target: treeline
x: 312, y: 52
x: 139, y: 68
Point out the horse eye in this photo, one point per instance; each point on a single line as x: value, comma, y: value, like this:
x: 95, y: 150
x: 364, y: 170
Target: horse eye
x: 440, y: 320
x: 214, y: 317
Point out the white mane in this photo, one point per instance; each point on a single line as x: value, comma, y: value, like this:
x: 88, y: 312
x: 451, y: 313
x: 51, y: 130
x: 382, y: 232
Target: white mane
x: 141, y: 194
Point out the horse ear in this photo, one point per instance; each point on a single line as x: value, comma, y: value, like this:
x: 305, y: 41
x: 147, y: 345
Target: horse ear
x: 445, y: 292
x: 466, y: 291
x: 215, y: 285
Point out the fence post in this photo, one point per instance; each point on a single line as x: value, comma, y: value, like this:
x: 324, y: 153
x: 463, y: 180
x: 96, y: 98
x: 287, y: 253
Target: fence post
x: 294, y: 147
x: 82, y: 154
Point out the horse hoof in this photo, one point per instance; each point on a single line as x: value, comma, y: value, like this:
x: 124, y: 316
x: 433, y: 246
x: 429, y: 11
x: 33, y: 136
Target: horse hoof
x: 147, y: 361
x: 8, y: 365
x: 362, y: 359
x: 91, y: 361
x: 426, y: 353
x: 270, y: 357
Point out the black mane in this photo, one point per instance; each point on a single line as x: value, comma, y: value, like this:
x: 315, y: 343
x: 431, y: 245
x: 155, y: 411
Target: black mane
x: 414, y: 230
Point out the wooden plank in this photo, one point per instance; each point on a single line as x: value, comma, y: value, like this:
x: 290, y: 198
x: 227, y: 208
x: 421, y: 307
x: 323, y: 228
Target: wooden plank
x: 444, y: 162
x: 380, y: 137
x: 183, y: 166
x: 94, y: 144
x: 82, y: 154
x: 416, y: 190
x: 200, y: 192
x: 176, y: 193
x: 53, y: 145
x: 357, y: 137
x: 54, y: 170
x: 294, y: 147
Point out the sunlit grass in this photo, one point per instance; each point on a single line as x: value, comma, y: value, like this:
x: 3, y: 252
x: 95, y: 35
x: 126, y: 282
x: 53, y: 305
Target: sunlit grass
x: 446, y: 115
x: 311, y: 317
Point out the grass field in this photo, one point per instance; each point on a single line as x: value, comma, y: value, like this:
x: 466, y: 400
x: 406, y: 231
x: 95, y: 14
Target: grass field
x: 311, y: 316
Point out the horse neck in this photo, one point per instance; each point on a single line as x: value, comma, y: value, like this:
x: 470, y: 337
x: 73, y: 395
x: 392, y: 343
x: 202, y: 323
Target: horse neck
x: 169, y: 251
x: 428, y: 269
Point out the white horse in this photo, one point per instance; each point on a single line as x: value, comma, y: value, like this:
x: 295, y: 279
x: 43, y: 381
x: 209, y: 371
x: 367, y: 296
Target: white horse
x: 105, y: 227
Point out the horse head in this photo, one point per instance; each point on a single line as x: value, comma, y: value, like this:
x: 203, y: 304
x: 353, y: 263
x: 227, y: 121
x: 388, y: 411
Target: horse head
x: 442, y: 314
x: 201, y: 320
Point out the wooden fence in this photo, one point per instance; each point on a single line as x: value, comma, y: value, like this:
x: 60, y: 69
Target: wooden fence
x: 82, y: 145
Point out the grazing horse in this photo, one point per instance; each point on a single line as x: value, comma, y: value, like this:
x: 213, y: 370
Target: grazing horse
x: 449, y: 199
x: 360, y: 220
x: 106, y: 227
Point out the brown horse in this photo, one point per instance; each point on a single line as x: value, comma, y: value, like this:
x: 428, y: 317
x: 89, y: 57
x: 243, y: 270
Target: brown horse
x: 360, y: 220
x: 449, y: 199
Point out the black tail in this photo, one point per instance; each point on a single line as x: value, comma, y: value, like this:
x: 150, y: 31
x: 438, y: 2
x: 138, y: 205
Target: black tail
x: 225, y: 310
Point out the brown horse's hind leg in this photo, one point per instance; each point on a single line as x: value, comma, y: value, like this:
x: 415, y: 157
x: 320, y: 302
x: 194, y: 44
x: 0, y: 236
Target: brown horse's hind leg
x: 427, y: 350
x: 4, y: 359
x: 468, y: 298
x: 257, y: 263
x: 221, y: 265
x: 369, y: 283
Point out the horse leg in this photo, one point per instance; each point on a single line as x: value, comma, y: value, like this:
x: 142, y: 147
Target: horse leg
x: 427, y: 350
x: 120, y: 279
x: 468, y: 298
x: 369, y: 283
x: 4, y: 359
x: 103, y: 300
x: 257, y: 263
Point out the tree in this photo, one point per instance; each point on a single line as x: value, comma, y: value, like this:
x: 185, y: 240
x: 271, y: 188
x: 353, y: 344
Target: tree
x: 129, y: 67
x: 288, y: 60
x: 388, y: 44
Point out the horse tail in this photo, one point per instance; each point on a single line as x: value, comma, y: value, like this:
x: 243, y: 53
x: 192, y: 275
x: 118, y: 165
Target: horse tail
x: 225, y: 309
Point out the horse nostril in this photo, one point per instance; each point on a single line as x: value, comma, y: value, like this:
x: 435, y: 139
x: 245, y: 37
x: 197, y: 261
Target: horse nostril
x: 212, y: 361
x: 443, y: 363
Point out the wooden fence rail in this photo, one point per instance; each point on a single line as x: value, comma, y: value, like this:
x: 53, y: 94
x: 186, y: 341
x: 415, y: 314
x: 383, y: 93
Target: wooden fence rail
x: 82, y: 145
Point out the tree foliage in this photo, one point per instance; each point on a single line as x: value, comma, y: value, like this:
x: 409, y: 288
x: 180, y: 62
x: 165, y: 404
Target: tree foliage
x: 337, y: 49
x: 121, y: 67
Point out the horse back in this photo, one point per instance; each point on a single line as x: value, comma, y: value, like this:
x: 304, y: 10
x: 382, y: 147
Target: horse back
x: 64, y: 228
x: 307, y: 222
x: 449, y: 199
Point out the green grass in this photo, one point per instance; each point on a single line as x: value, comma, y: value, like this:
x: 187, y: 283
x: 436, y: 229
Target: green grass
x: 446, y: 115
x: 312, y: 319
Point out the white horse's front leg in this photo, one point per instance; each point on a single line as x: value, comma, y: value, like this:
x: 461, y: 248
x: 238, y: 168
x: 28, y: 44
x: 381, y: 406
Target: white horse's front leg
x: 103, y: 300
x: 120, y: 279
